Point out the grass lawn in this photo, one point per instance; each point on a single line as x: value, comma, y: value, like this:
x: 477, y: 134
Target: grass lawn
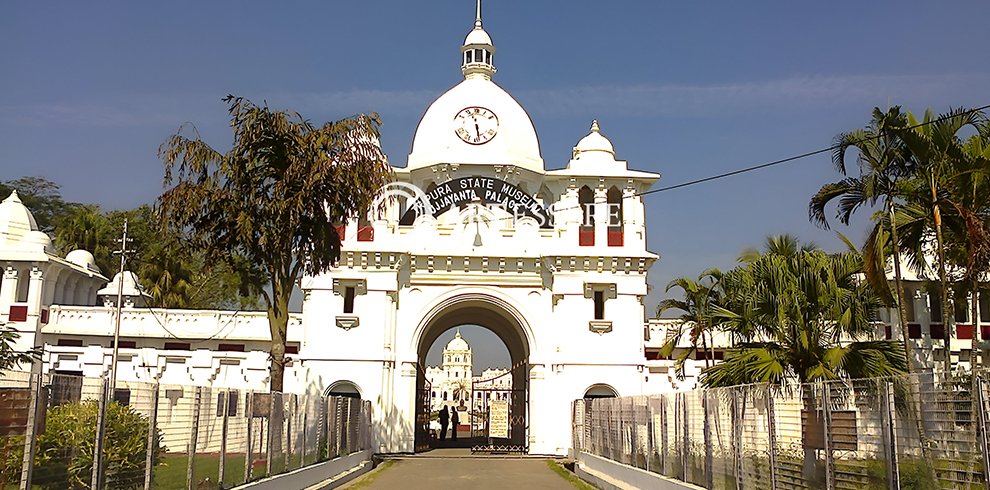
x: 567, y: 475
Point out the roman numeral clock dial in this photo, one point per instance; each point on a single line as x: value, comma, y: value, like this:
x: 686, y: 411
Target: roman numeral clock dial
x: 475, y: 125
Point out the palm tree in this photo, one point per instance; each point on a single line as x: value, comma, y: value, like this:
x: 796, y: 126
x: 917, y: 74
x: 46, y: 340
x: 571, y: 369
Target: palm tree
x: 699, y: 297
x: 936, y: 148
x: 883, y: 162
x: 803, y: 315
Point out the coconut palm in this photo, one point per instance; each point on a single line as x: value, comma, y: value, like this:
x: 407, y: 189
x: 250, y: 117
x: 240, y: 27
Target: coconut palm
x: 696, y: 320
x: 883, y: 161
x: 935, y: 146
x: 801, y: 315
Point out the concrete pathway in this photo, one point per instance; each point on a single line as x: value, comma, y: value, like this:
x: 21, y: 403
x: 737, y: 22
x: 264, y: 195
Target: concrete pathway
x: 464, y: 473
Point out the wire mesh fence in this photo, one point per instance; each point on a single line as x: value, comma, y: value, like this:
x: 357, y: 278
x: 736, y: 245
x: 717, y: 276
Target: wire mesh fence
x: 922, y: 431
x: 158, y: 436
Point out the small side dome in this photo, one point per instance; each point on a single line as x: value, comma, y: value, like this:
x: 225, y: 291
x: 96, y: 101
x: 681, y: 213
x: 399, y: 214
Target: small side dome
x: 594, y: 142
x: 38, y: 240
x: 16, y: 220
x: 83, y: 259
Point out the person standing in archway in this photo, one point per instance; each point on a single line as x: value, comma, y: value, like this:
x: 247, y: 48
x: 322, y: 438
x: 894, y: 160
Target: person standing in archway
x: 444, y: 419
x: 454, y: 419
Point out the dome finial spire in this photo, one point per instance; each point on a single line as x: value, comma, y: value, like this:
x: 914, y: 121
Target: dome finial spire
x: 478, y: 50
x: 477, y: 15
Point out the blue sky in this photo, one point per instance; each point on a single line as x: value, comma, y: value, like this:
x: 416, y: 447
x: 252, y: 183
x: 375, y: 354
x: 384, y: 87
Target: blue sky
x: 688, y: 89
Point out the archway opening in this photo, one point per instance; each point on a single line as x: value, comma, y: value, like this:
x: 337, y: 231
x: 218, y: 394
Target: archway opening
x: 479, y: 401
x: 344, y: 388
x: 600, y: 390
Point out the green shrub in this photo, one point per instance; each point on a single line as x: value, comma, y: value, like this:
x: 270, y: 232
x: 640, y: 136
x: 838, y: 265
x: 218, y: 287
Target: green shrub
x: 64, y: 452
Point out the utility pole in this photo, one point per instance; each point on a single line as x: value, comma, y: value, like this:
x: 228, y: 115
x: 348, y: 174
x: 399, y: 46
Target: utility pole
x: 120, y: 298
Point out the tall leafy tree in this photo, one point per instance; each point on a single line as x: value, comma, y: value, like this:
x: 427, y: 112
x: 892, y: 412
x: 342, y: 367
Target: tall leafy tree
x: 42, y: 196
x: 883, y: 162
x: 273, y: 199
x: 700, y: 296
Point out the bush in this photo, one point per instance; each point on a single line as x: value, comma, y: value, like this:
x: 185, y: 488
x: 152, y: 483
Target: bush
x: 64, y: 452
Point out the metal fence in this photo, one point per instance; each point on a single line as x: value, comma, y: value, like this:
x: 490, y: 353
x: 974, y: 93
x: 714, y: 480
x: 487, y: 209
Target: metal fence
x: 199, y: 437
x: 920, y: 431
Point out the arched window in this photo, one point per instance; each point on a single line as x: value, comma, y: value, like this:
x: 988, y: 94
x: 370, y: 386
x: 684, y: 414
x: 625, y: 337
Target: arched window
x: 433, y: 394
x: 586, y: 232
x: 614, y: 198
x: 445, y: 396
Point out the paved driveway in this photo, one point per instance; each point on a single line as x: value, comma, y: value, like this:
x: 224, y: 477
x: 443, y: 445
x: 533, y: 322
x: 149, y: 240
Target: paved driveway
x: 467, y: 474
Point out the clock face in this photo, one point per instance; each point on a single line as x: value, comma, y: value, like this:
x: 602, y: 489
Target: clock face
x: 476, y: 125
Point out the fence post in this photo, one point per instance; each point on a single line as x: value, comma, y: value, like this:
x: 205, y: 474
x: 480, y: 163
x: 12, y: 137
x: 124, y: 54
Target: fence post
x: 771, y: 437
x: 738, y: 419
x: 249, y: 413
x: 149, y: 458
x: 888, y: 409
x: 827, y: 429
x: 191, y: 446
x: 101, y: 430
x: 305, y: 428
x: 36, y: 405
x: 223, y: 435
x: 663, y: 434
x: 271, y: 430
x: 684, y: 437
x: 982, y: 420
x: 707, y: 432
x: 291, y: 411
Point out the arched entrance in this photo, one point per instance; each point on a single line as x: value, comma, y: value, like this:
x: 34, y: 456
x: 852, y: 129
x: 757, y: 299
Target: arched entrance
x: 509, y: 326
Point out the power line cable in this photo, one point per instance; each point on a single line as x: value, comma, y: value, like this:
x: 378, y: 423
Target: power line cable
x: 803, y: 155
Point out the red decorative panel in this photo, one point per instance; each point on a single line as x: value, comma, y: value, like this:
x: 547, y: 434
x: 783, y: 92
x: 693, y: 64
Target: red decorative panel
x: 18, y: 313
x: 366, y: 234
x: 938, y: 331
x: 886, y: 332
x: 985, y: 332
x: 44, y: 316
x: 615, y: 238
x: 586, y: 237
x: 291, y: 348
x: 231, y: 347
x: 914, y: 330
x: 964, y: 332
x: 341, y: 229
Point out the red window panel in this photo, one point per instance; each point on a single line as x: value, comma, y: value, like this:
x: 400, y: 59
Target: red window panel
x: 341, y: 230
x: 291, y: 348
x: 985, y: 332
x: 964, y: 332
x: 886, y: 332
x: 914, y: 330
x: 44, y: 316
x: 231, y: 347
x: 615, y: 238
x: 18, y: 313
x: 126, y: 344
x: 69, y: 343
x: 586, y: 237
x: 366, y: 234
x: 938, y: 331
x: 177, y: 346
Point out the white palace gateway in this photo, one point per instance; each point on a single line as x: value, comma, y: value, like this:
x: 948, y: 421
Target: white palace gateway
x: 475, y: 231
x: 563, y: 290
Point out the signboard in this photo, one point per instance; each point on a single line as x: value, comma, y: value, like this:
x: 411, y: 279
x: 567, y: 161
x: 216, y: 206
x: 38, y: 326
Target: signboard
x: 498, y: 419
x: 484, y: 190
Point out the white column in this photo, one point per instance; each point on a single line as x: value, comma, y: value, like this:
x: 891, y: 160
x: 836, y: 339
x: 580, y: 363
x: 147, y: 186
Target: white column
x: 601, y: 217
x: 36, y: 289
x: 8, y: 292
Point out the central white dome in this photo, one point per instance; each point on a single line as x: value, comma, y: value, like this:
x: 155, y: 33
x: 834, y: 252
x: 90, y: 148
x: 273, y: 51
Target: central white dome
x: 515, y: 141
